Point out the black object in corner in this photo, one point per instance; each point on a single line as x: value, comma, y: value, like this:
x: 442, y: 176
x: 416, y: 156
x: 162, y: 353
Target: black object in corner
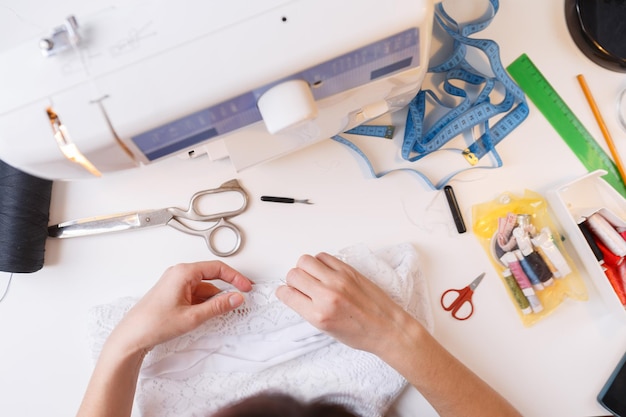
x: 613, y: 394
x: 598, y: 28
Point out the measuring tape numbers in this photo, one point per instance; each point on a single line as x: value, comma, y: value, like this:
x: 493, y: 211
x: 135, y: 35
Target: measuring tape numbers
x: 377, y: 131
x: 478, y: 111
x: 564, y: 121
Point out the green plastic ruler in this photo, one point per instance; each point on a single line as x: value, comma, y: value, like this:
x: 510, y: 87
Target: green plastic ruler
x: 561, y: 117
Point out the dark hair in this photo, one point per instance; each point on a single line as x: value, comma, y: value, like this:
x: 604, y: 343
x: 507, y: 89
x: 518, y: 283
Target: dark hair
x: 282, y: 405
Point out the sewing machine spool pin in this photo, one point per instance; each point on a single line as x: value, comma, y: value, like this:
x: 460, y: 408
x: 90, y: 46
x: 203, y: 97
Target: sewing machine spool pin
x: 63, y: 37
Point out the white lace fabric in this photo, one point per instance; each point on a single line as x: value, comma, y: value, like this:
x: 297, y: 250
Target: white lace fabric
x: 265, y: 346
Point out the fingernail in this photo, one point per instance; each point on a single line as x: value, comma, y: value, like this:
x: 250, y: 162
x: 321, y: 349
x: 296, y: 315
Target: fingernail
x: 235, y: 300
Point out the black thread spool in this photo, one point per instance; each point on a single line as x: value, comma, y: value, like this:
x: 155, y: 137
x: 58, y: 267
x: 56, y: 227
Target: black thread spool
x: 24, y: 215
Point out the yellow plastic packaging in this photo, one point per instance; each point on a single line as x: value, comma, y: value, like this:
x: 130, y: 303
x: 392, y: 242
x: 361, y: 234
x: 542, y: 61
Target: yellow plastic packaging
x: 526, y: 249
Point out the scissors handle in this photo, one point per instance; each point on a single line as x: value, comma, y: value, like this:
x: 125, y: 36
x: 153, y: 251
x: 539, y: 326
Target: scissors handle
x: 220, y: 219
x: 458, y: 302
x: 195, y: 213
x: 210, y: 237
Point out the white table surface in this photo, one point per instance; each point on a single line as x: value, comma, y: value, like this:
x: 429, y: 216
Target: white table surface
x: 554, y: 368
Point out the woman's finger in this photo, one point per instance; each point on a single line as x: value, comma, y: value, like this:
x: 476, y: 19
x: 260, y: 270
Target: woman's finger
x: 315, y: 267
x: 294, y: 299
x: 330, y: 261
x: 215, y: 306
x: 212, y: 270
x: 204, y: 291
x: 302, y: 281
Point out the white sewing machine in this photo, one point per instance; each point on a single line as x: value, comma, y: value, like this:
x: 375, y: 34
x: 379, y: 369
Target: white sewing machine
x: 93, y: 87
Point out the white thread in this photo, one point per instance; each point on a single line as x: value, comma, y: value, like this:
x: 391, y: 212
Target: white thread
x: 607, y: 234
x: 6, y: 289
x: 434, y: 215
x: 545, y: 241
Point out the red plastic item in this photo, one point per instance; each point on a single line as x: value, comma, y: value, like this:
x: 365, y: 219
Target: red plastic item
x: 616, y: 275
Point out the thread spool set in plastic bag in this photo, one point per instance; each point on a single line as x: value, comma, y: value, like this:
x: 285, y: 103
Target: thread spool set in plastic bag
x: 526, y: 249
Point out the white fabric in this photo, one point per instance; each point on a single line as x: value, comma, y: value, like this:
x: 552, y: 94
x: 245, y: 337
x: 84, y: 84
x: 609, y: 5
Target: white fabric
x: 266, y: 346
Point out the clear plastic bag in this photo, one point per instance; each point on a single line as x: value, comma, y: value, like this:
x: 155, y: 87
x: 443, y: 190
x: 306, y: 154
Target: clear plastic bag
x: 526, y: 249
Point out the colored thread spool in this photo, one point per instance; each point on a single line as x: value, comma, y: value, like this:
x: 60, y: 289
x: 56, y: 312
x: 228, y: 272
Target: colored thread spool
x: 608, y: 257
x: 532, y: 276
x: 607, y: 234
x: 553, y: 269
x: 544, y: 241
x: 534, y: 266
x: 615, y: 275
x: 516, y: 291
x: 511, y: 261
x: 540, y: 268
x: 591, y: 241
x: 24, y: 213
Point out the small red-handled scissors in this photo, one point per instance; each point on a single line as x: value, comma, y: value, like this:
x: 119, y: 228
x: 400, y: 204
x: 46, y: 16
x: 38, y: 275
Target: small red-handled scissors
x: 460, y: 301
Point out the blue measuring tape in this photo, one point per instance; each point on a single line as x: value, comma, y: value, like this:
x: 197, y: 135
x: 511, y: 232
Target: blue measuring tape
x: 470, y: 112
x: 376, y: 131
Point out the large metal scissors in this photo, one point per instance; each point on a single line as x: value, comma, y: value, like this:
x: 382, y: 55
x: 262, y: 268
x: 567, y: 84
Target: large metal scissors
x: 460, y: 301
x: 175, y: 217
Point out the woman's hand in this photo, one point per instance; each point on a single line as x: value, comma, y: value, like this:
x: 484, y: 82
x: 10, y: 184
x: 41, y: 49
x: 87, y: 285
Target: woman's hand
x: 338, y: 300
x: 179, y: 302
